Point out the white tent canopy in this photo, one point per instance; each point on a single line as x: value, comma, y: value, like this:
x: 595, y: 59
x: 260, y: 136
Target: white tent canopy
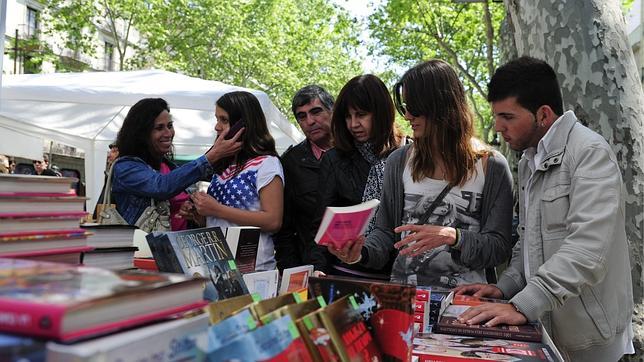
x: 86, y: 110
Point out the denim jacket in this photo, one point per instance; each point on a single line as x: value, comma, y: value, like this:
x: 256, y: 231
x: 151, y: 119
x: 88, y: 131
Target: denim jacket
x: 135, y: 183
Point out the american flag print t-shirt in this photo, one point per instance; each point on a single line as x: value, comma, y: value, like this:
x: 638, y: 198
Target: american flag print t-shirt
x: 241, y: 191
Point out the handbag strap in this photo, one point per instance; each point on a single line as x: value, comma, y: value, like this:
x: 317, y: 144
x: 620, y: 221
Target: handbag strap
x: 107, y: 193
x: 423, y: 219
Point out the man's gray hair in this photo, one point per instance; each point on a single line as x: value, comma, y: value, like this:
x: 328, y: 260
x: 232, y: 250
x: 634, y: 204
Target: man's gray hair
x: 309, y: 93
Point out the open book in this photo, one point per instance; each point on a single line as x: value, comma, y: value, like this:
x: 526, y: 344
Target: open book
x: 342, y: 224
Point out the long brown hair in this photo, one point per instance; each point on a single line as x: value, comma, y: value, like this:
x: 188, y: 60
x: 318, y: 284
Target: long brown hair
x: 367, y: 93
x: 432, y: 89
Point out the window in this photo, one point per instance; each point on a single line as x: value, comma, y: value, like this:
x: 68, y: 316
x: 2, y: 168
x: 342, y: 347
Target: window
x: 109, y: 57
x: 32, y: 22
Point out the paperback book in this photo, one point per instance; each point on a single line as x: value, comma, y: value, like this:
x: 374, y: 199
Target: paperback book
x: 342, y: 224
x: 12, y: 204
x: 202, y: 253
x: 109, y: 236
x: 296, y: 278
x: 263, y: 283
x: 243, y: 242
x: 29, y: 242
x: 67, y: 302
x: 24, y: 222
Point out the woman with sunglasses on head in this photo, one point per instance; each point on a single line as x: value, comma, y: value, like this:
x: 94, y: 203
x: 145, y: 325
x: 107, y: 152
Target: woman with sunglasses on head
x: 145, y: 171
x: 447, y: 198
x: 363, y: 130
x: 247, y: 188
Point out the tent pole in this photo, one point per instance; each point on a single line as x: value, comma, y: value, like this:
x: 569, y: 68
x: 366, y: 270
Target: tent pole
x: 3, y: 26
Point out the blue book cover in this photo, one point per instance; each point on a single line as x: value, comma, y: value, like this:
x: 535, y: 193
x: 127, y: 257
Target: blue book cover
x: 230, y: 328
x: 21, y: 349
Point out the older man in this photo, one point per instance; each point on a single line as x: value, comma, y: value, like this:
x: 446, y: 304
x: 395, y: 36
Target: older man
x: 312, y: 107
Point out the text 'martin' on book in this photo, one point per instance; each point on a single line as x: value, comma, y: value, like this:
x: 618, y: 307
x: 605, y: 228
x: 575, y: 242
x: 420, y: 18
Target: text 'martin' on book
x: 342, y: 224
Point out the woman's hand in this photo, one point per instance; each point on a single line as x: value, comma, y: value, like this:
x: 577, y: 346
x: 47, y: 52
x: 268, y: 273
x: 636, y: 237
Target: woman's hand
x: 187, y: 210
x: 350, y: 253
x: 223, y: 148
x: 423, y: 238
x: 205, y: 204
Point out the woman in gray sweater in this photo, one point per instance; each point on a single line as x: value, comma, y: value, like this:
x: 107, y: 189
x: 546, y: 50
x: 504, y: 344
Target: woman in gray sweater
x: 469, y: 228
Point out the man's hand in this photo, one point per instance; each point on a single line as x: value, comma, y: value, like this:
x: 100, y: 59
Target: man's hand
x: 479, y: 290
x: 423, y: 238
x: 350, y: 252
x: 493, y: 314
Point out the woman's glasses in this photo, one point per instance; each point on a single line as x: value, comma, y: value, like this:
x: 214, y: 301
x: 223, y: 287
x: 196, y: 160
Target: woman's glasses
x: 401, y: 106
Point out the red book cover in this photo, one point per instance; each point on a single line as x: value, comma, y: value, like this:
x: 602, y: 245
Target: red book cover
x: 68, y: 302
x: 387, y: 308
x: 39, y: 222
x: 341, y: 224
x: 146, y: 264
x: 453, y: 348
x: 31, y: 235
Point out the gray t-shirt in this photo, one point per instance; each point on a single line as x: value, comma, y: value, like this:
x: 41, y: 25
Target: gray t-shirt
x: 460, y: 208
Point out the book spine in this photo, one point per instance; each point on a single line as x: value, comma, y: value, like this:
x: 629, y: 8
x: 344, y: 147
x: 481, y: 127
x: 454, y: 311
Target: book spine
x: 31, y: 319
x: 490, y: 333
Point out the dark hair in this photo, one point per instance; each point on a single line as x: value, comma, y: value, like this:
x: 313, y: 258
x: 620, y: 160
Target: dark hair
x: 532, y: 81
x: 432, y: 89
x: 307, y: 94
x: 256, y: 139
x: 133, y: 138
x: 369, y: 94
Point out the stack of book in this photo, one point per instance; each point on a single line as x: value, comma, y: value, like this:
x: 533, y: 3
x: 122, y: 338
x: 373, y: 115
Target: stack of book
x: 430, y: 302
x: 451, y: 340
x: 86, y: 313
x: 40, y: 217
x: 113, y: 246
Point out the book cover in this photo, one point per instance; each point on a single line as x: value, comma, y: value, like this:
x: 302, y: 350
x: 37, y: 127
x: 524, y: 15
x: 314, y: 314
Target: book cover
x: 21, y: 222
x: 21, y: 349
x: 341, y: 224
x: 348, y: 331
x: 295, y: 311
x: 177, y: 339
x: 230, y: 328
x: 449, y: 324
x: 266, y: 306
x: 68, y: 302
x: 16, y: 183
x: 317, y: 338
x: 202, y: 253
x: 263, y: 283
x: 222, y: 309
x: 243, y: 242
x: 145, y: 264
x: 11, y: 204
x: 296, y: 278
x: 276, y: 341
x: 387, y: 308
x: 453, y: 348
x: 47, y: 241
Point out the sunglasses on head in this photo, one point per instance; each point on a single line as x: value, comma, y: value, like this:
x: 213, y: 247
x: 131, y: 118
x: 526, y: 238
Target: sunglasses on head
x: 400, y: 104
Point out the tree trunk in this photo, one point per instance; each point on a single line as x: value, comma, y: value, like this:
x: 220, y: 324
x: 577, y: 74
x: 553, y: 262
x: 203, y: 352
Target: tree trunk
x: 586, y: 43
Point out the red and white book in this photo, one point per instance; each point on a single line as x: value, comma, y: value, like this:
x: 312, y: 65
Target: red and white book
x: 342, y: 224
x: 68, y: 255
x: 67, y: 302
x: 25, y: 203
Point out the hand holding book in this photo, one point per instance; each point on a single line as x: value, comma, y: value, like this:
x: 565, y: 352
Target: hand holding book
x: 350, y: 253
